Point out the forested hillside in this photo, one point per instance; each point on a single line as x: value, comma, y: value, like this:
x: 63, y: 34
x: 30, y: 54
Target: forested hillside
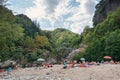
x: 10, y: 33
x: 62, y: 42
x: 22, y: 40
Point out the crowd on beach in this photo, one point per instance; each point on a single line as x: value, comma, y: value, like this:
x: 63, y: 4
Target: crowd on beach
x: 10, y: 71
x: 83, y: 63
x: 66, y: 64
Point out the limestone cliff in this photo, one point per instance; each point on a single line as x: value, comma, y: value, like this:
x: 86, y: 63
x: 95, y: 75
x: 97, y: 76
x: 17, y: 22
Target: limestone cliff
x: 103, y: 9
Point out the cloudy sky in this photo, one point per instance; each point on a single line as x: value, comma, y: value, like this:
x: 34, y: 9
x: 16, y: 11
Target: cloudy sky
x: 51, y: 14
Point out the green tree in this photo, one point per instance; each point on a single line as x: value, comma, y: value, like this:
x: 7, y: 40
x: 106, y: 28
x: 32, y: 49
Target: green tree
x: 113, y: 45
x: 9, y: 33
x: 41, y: 42
x: 29, y: 42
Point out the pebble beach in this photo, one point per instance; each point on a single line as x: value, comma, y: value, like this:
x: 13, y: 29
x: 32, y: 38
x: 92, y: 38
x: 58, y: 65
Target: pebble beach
x: 101, y: 72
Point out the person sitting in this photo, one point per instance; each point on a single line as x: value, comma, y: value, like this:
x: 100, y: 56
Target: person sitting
x: 83, y: 64
x: 64, y: 64
x: 9, y: 69
x: 111, y: 62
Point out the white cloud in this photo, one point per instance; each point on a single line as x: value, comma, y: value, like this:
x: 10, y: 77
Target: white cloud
x: 70, y: 14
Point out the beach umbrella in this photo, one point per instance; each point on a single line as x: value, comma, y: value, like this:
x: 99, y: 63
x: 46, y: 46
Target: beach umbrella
x: 82, y: 59
x: 107, y: 57
x: 40, y: 60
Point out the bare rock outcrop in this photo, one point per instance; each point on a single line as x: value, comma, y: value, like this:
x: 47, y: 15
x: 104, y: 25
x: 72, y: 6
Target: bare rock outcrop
x: 76, y: 51
x: 103, y: 9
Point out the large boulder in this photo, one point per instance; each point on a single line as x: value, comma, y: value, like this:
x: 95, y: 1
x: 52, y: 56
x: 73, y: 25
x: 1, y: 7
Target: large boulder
x: 8, y: 63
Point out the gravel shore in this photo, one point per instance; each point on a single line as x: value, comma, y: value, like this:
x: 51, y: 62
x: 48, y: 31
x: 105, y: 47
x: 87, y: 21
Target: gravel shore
x: 102, y: 72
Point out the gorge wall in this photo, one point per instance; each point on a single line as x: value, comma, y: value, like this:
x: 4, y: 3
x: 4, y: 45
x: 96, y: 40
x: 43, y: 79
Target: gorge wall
x: 103, y: 9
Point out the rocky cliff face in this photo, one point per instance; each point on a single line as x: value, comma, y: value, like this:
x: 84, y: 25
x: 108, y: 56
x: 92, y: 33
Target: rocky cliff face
x: 103, y: 9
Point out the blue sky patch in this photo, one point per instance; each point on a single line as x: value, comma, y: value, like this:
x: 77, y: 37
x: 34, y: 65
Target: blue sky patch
x: 67, y: 15
x: 73, y: 3
x: 19, y: 6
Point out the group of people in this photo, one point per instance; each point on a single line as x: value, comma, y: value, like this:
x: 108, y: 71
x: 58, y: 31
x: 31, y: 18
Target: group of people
x: 83, y: 63
x: 72, y: 64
